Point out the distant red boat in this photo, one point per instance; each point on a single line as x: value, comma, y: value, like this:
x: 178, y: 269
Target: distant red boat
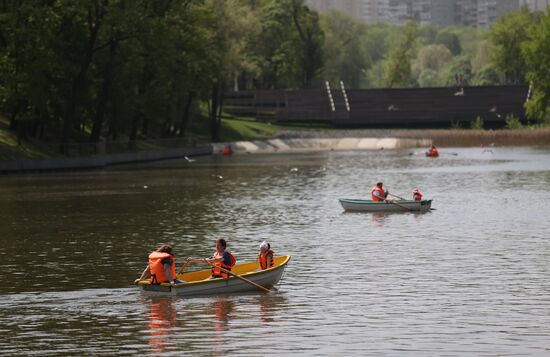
x: 432, y: 152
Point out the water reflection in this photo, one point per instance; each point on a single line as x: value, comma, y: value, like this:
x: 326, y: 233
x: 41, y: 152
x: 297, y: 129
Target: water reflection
x: 269, y: 305
x: 378, y: 219
x: 222, y: 308
x: 162, y: 319
x: 416, y: 278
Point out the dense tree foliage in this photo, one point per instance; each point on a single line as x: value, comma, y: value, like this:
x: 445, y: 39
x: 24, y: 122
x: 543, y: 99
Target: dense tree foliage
x: 398, y: 72
x: 133, y: 69
x: 450, y: 40
x: 536, y: 53
x: 126, y: 70
x: 346, y: 54
x: 507, y: 35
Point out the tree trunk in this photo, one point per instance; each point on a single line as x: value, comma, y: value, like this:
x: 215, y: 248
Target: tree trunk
x: 104, y: 95
x: 79, y: 83
x: 133, y: 131
x: 166, y: 129
x: 214, y: 132
x: 185, y: 116
x: 220, y: 109
x: 144, y: 82
x: 14, y: 114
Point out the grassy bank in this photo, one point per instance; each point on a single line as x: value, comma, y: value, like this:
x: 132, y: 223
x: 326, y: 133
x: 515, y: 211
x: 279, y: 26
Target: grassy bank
x: 235, y: 129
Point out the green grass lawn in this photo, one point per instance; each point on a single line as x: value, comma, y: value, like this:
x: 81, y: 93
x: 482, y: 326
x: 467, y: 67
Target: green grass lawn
x: 10, y: 149
x: 232, y: 129
x: 242, y: 129
x: 237, y: 129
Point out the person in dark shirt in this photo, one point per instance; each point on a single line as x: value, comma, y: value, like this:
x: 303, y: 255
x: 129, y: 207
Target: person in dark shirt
x: 220, y: 259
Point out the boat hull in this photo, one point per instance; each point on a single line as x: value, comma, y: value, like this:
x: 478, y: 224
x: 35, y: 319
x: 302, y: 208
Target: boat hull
x: 354, y: 205
x: 198, y: 283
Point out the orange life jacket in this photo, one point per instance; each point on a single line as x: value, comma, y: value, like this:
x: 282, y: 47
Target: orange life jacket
x: 262, y: 258
x: 156, y: 267
x: 417, y: 196
x: 381, y: 190
x: 432, y: 153
x: 216, y: 271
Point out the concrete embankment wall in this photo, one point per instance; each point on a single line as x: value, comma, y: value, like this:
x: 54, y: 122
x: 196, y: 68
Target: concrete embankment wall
x: 324, y: 144
x: 239, y: 147
x: 100, y: 161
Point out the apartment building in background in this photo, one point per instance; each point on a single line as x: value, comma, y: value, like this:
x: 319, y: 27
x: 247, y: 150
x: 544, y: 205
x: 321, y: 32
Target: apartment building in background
x: 540, y: 5
x: 443, y: 13
x: 375, y: 11
x: 476, y: 13
x: 353, y: 8
x: 473, y: 13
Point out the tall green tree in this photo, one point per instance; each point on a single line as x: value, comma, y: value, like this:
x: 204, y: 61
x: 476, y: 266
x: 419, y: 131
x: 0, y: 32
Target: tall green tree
x: 460, y: 66
x: 507, y: 36
x: 231, y: 56
x: 536, y: 52
x: 398, y: 70
x: 84, y: 19
x: 346, y: 57
x: 28, y: 70
x: 430, y: 57
x: 449, y: 39
x: 310, y: 42
x: 290, y: 47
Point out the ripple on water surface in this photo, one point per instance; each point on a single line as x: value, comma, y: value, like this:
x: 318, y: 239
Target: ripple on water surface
x: 469, y: 278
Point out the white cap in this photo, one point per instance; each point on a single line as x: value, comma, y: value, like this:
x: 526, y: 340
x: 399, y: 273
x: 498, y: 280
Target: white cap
x: 264, y: 245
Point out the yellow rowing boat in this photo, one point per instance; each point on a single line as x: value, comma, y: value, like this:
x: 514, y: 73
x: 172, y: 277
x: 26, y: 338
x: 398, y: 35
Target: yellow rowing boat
x: 200, y: 283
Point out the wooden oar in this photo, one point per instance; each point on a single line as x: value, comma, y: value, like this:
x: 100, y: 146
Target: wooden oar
x: 393, y: 202
x: 142, y: 275
x: 244, y: 279
x: 400, y: 205
x: 401, y: 198
x: 183, y: 267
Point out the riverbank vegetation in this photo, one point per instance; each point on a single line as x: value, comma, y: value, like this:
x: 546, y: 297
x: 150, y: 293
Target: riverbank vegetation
x: 131, y: 73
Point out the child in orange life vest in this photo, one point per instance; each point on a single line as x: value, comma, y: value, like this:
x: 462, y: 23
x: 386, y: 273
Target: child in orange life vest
x: 417, y: 196
x: 220, y: 259
x: 265, y: 256
x: 162, y: 267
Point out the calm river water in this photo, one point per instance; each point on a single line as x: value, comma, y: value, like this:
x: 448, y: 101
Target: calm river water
x: 471, y: 278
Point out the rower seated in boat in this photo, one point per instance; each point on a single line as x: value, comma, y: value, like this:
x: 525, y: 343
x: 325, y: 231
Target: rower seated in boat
x: 161, y: 268
x: 432, y: 152
x: 220, y: 260
x: 378, y: 193
x: 265, y: 256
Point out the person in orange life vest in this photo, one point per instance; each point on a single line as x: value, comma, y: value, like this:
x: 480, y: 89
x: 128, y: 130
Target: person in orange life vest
x: 227, y: 150
x: 220, y: 259
x: 432, y: 152
x: 162, y: 267
x: 378, y: 193
x: 417, y: 195
x: 265, y: 256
